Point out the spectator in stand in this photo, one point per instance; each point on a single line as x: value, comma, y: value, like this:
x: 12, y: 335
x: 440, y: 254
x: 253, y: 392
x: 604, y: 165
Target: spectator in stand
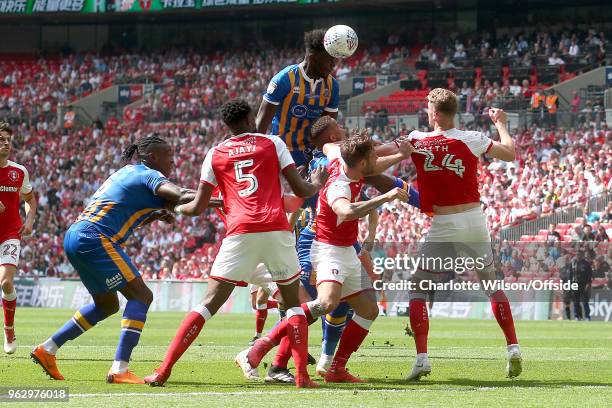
x: 554, y: 59
x: 553, y: 235
x: 601, y: 235
x: 459, y: 55
x: 515, y: 88
x: 447, y: 64
x: 574, y: 49
x: 343, y: 71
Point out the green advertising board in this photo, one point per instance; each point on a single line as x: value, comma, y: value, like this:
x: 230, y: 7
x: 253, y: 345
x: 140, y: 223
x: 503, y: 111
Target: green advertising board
x: 101, y: 6
x: 159, y: 5
x: 52, y: 6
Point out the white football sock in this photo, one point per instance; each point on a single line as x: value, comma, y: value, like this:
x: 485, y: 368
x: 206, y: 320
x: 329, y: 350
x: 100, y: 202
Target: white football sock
x: 50, y: 346
x: 119, y: 367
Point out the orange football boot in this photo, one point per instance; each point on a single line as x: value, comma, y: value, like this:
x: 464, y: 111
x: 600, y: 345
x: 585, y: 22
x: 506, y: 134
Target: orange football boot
x: 124, y: 378
x: 46, y: 361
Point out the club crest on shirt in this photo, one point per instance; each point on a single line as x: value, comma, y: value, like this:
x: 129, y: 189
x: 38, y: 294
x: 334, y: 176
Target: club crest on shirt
x: 13, y: 175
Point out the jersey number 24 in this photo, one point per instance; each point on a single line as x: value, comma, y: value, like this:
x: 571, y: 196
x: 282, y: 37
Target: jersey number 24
x: 456, y: 166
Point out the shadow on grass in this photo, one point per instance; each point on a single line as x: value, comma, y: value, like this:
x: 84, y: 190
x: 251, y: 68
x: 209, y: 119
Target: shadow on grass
x: 469, y: 383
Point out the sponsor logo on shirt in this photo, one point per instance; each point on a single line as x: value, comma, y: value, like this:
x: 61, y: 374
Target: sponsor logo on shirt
x: 299, y: 111
x: 8, y: 189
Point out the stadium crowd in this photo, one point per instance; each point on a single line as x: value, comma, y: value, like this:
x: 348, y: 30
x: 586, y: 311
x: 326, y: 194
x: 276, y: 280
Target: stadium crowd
x: 519, y: 46
x: 557, y: 167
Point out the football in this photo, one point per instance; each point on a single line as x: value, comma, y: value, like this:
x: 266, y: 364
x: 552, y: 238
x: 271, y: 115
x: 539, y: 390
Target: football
x: 340, y: 41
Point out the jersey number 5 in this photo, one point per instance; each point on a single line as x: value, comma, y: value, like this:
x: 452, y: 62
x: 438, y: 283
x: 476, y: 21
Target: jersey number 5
x: 248, y: 178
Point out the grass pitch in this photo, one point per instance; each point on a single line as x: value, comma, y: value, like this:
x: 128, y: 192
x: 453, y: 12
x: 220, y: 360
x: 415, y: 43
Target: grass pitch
x: 564, y: 364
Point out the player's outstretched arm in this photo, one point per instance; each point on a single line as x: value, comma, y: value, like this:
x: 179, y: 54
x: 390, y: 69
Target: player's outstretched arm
x: 368, y: 243
x: 265, y: 114
x: 198, y: 204
x: 504, y: 149
x: 174, y: 195
x: 301, y: 187
x: 405, y: 149
x: 347, y: 211
x: 387, y: 148
x: 292, y: 203
x: 30, y: 209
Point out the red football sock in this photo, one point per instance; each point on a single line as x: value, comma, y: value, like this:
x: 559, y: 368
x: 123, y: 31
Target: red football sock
x: 503, y: 315
x: 297, y: 332
x: 260, y: 320
x: 308, y: 313
x: 187, y: 332
x: 274, y: 338
x: 283, y: 354
x: 419, y: 322
x: 272, y: 304
x: 266, y: 343
x: 9, y: 307
x: 351, y: 339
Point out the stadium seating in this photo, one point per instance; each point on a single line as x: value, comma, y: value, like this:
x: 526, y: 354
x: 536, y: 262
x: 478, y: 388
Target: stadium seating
x: 184, y: 114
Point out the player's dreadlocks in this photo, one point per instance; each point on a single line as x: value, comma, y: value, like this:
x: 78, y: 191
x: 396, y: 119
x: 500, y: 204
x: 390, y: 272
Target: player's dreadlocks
x: 143, y: 147
x: 5, y: 127
x: 235, y: 111
x: 313, y: 40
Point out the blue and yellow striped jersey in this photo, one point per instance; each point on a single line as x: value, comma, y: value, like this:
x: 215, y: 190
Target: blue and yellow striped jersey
x: 305, y: 218
x: 124, y: 201
x: 300, y: 101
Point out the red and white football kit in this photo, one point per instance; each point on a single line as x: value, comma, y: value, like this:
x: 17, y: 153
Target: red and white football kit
x: 261, y: 278
x: 14, y: 180
x: 332, y: 254
x: 447, y: 174
x: 247, y: 170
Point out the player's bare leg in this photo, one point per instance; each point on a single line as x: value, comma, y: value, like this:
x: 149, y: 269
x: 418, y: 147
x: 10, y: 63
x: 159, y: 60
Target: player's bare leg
x: 216, y: 295
x: 104, y: 305
x: 9, y: 304
x: 502, y: 311
x: 366, y: 311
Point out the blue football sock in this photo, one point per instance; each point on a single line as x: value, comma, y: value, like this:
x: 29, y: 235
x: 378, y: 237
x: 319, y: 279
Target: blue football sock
x: 334, y: 323
x: 134, y: 317
x: 84, y: 319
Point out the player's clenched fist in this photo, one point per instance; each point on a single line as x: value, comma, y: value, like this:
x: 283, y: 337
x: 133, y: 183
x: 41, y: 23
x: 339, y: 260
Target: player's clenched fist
x: 405, y: 147
x: 2, y: 207
x: 498, y: 115
x: 319, y: 176
x: 397, y: 194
